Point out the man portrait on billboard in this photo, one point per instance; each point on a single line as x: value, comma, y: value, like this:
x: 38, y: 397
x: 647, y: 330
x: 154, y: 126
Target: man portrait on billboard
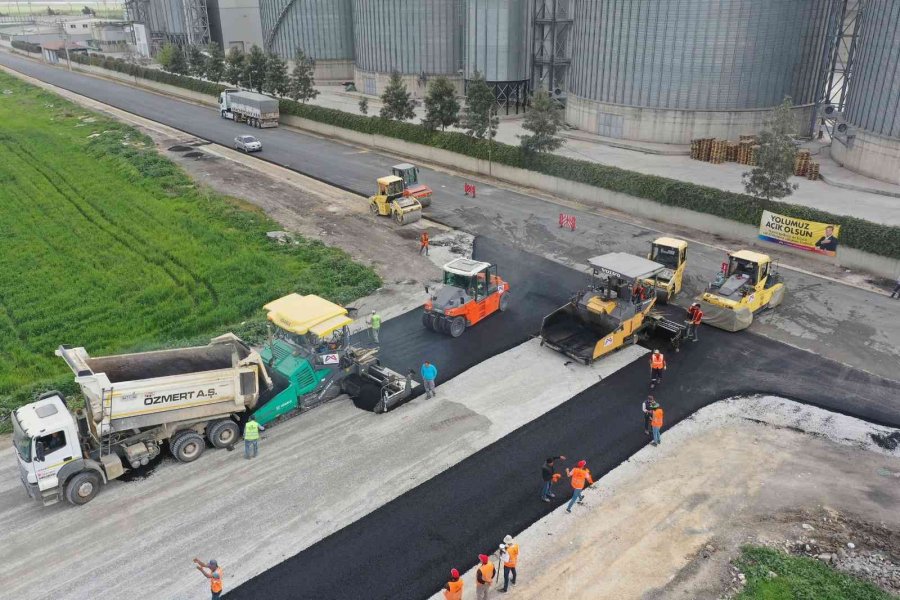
x: 829, y: 241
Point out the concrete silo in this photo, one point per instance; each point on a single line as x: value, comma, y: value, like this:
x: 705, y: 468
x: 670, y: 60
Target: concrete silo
x: 872, y: 143
x: 322, y: 28
x: 418, y: 38
x: 496, y: 45
x: 668, y: 72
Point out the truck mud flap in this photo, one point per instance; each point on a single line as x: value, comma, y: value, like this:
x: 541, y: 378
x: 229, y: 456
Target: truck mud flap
x: 726, y: 318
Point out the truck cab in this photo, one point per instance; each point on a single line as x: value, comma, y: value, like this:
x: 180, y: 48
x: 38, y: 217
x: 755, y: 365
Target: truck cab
x: 672, y: 254
x: 47, y: 445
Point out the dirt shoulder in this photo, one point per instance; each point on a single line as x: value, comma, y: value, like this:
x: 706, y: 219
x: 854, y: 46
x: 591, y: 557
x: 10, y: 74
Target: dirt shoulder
x: 667, y: 522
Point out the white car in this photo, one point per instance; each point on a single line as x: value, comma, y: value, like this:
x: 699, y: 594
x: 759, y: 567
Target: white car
x: 247, y: 143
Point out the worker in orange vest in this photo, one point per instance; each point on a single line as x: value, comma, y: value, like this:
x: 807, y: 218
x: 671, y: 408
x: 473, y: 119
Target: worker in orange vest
x: 656, y: 421
x: 453, y: 589
x: 638, y: 292
x: 657, y: 366
x: 509, y: 554
x: 484, y: 577
x: 578, y: 476
x: 694, y: 318
x: 213, y: 572
x: 423, y: 243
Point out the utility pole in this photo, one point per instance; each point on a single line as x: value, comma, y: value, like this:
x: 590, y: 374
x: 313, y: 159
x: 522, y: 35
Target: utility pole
x: 62, y: 24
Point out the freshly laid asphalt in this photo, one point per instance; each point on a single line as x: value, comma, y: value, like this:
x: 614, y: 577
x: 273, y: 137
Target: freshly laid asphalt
x: 404, y: 549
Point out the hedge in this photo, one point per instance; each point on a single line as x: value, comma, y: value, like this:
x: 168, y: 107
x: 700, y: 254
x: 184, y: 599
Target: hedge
x: 883, y: 240
x: 26, y: 46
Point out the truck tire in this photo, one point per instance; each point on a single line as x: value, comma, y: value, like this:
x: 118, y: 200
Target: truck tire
x: 457, y: 327
x: 373, y: 208
x: 82, y: 488
x: 223, y: 433
x: 428, y: 321
x: 187, y: 447
x: 504, y: 302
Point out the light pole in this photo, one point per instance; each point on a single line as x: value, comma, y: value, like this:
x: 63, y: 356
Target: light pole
x: 491, y: 114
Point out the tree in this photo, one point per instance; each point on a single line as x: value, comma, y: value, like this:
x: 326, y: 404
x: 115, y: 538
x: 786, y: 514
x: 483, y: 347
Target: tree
x: 255, y: 69
x: 479, y: 119
x: 277, y: 81
x: 543, y: 121
x: 215, y: 62
x: 303, y: 85
x: 396, y: 102
x: 165, y: 55
x: 179, y: 64
x: 196, y: 62
x: 234, y: 66
x: 441, y: 105
x: 364, y: 105
x: 770, y: 178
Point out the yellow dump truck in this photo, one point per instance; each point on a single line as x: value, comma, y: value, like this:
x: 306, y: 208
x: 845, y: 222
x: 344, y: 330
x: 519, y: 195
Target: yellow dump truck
x: 747, y: 284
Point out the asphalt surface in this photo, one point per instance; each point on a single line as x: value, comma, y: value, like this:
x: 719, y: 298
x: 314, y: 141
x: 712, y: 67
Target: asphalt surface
x: 815, y: 312
x: 404, y: 549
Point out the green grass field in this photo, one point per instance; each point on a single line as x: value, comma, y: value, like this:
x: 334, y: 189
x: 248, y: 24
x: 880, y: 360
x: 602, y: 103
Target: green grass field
x: 108, y: 245
x: 798, y: 578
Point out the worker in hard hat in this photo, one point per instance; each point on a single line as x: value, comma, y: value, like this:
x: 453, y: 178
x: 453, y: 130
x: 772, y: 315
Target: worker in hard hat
x: 657, y: 366
x: 694, y: 318
x: 213, y: 572
x: 424, y: 243
x: 578, y: 476
x: 509, y: 556
x: 453, y: 589
x: 484, y: 577
x: 656, y: 421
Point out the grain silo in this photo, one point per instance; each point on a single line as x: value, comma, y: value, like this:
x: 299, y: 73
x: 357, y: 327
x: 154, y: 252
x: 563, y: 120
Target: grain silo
x: 496, y: 45
x: 668, y: 72
x: 322, y: 28
x: 418, y: 38
x: 872, y: 143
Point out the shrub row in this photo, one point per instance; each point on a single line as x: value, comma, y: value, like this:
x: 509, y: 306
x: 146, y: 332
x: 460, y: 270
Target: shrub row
x: 26, y: 46
x: 883, y: 240
x: 121, y: 66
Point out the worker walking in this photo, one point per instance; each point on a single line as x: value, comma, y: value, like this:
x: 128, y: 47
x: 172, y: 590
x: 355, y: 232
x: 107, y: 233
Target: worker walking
x: 484, y: 577
x: 656, y: 421
x: 423, y: 243
x: 694, y: 318
x: 374, y: 323
x: 578, y: 477
x: 213, y: 572
x: 648, y: 413
x: 549, y: 476
x: 251, y: 437
x: 453, y: 589
x: 657, y: 366
x: 429, y: 374
x: 509, y: 555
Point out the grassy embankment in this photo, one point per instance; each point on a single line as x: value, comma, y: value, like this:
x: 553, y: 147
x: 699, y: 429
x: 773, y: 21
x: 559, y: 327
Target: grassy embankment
x: 798, y: 578
x: 108, y: 245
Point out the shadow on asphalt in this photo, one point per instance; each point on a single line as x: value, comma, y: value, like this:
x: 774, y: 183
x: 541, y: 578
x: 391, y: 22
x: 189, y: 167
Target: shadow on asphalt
x: 405, y: 548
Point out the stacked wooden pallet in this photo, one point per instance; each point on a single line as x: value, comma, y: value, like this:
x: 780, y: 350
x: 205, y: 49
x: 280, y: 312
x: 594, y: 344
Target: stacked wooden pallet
x: 731, y: 154
x: 754, y: 155
x: 801, y: 163
x: 745, y: 149
x: 718, y: 151
x: 812, y: 172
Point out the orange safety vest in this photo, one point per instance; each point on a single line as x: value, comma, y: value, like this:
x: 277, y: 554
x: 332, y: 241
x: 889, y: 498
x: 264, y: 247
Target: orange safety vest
x: 657, y: 419
x: 513, y: 556
x: 215, y: 584
x: 487, y: 572
x: 424, y: 239
x: 578, y: 477
x: 454, y: 590
x: 657, y: 361
x: 698, y: 314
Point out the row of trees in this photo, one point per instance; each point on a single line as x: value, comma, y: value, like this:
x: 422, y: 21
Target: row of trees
x: 255, y: 69
x: 479, y: 118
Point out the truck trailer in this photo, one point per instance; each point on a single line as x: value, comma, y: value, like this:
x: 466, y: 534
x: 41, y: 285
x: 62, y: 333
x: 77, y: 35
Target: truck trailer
x: 133, y: 403
x: 257, y: 110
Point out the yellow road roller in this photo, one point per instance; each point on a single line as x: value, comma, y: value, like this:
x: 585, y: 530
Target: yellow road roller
x: 747, y: 284
x: 390, y: 202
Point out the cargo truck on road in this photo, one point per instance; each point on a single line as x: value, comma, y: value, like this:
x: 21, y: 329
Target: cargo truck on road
x: 257, y: 110
x: 133, y: 403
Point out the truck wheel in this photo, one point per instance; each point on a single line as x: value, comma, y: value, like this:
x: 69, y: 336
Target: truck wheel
x: 82, y: 488
x: 188, y: 447
x: 428, y: 321
x: 223, y: 433
x: 504, y: 302
x: 373, y: 208
x: 457, y: 326
x: 398, y: 216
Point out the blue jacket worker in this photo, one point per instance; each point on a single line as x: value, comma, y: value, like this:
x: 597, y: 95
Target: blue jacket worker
x: 429, y: 374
